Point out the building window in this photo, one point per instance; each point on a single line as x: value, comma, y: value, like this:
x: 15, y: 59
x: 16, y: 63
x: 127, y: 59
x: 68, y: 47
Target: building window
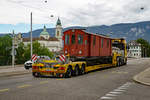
x: 80, y: 39
x: 102, y: 43
x: 73, y: 39
x: 57, y: 33
x: 66, y: 39
x: 94, y: 40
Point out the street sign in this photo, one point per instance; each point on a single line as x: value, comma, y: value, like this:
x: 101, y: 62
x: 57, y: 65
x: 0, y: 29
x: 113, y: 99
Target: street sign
x: 62, y: 58
x: 34, y: 57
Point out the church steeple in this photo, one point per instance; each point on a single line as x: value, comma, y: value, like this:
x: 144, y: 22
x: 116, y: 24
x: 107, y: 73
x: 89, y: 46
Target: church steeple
x: 58, y: 22
x: 58, y: 33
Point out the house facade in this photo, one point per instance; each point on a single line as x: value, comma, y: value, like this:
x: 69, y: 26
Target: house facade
x: 134, y: 49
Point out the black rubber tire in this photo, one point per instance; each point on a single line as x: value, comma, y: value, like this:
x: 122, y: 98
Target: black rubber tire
x: 68, y: 73
x: 35, y: 74
x: 76, y: 71
x: 118, y: 62
x: 82, y: 71
x: 26, y: 67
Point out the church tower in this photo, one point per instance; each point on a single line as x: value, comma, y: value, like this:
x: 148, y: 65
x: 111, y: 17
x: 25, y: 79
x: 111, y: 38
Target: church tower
x: 58, y: 32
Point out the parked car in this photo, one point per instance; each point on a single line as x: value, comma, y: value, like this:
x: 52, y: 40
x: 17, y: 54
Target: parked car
x: 28, y: 64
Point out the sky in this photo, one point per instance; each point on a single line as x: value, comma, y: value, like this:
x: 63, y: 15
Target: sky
x: 15, y: 14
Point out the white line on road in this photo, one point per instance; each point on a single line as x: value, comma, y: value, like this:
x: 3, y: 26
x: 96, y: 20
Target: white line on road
x: 116, y: 92
x: 110, y: 94
x: 106, y: 97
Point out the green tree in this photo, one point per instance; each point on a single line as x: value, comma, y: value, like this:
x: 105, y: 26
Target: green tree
x: 5, y: 50
x: 145, y: 47
x: 37, y: 49
x: 20, y: 59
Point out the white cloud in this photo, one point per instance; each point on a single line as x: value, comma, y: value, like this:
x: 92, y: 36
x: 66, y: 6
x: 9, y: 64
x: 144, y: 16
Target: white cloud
x: 74, y: 12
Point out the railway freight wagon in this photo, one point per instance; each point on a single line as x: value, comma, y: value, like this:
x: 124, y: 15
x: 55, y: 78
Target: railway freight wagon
x: 84, y: 52
x: 89, y: 47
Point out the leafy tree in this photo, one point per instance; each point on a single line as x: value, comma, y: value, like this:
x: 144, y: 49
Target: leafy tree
x: 5, y: 50
x: 145, y: 47
x: 37, y: 49
x: 20, y: 54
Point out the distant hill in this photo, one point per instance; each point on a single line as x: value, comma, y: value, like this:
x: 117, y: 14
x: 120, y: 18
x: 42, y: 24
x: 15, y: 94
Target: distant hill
x: 130, y: 31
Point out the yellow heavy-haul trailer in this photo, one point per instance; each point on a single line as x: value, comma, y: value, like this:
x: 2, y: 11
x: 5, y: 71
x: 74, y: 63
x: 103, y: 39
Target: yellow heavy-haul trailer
x: 70, y: 68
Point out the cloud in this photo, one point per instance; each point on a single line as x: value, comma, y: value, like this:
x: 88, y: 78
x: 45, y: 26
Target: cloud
x: 74, y: 12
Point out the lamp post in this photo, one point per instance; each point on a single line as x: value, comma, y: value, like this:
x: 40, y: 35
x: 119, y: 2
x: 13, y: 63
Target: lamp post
x: 31, y: 36
x: 13, y: 50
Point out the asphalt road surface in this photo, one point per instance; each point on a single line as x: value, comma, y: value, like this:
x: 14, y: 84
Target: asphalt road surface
x: 107, y: 84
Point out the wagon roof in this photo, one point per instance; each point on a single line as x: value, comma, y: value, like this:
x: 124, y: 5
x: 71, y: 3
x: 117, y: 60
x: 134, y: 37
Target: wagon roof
x: 89, y: 32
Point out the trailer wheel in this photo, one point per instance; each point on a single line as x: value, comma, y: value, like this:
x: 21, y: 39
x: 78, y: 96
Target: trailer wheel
x: 82, y: 71
x: 68, y: 73
x: 76, y: 71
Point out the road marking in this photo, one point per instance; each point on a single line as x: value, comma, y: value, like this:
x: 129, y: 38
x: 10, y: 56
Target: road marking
x: 119, y: 90
x: 116, y: 92
x: 106, y: 97
x: 23, y: 86
x: 110, y: 94
x: 4, y: 90
x: 43, y: 82
x: 60, y: 79
x: 113, y: 92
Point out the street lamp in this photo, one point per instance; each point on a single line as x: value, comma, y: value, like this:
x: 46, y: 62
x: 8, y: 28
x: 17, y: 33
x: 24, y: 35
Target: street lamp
x: 31, y: 36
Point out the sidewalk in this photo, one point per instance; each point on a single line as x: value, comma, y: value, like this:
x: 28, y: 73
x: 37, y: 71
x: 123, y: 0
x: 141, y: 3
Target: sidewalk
x: 143, y: 77
x: 11, y: 71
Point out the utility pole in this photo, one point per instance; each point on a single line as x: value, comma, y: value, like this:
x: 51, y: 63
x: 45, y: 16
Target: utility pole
x: 31, y: 35
x: 13, y: 50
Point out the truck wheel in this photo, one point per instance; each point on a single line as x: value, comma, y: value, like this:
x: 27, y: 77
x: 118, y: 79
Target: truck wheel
x: 68, y: 73
x: 118, y: 62
x: 76, y: 72
x: 35, y: 74
x: 82, y: 71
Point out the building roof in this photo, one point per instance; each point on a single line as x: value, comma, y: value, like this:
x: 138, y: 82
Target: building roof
x: 133, y: 42
x: 44, y: 32
x: 40, y: 38
x: 58, y: 22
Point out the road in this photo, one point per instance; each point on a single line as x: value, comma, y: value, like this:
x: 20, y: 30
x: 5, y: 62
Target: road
x: 112, y: 83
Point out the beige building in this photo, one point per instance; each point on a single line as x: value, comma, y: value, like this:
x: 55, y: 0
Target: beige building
x: 54, y: 44
x: 134, y: 49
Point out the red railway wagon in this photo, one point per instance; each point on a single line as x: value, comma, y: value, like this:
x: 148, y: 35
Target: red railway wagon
x: 81, y: 44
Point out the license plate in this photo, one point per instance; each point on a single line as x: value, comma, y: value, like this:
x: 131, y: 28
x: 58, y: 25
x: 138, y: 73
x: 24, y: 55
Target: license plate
x: 48, y: 70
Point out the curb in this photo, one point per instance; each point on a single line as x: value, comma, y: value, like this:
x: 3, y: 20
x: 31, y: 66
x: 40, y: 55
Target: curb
x: 14, y: 73
x: 137, y: 77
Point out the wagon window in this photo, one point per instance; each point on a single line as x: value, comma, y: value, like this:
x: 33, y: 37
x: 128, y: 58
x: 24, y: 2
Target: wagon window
x: 80, y: 39
x: 94, y: 40
x: 85, y: 42
x: 107, y: 43
x: 66, y: 39
x: 73, y: 39
x: 102, y: 43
